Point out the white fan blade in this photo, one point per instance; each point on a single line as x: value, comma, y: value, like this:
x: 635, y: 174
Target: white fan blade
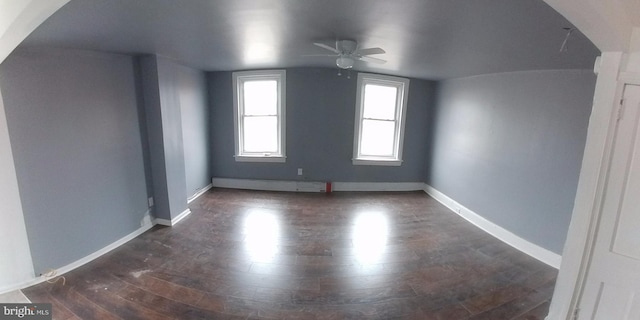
x: 371, y: 59
x: 324, y: 46
x: 368, y: 51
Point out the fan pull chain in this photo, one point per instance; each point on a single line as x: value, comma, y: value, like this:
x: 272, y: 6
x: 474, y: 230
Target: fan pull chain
x: 564, y: 47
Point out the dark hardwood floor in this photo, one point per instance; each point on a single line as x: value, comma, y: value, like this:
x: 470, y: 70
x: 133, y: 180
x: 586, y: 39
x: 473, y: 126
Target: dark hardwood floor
x: 269, y: 255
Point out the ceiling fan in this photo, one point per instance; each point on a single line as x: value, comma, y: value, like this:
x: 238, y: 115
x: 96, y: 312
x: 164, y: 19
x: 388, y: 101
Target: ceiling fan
x: 347, y: 52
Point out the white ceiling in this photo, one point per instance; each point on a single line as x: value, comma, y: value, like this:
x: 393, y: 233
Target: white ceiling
x: 429, y: 39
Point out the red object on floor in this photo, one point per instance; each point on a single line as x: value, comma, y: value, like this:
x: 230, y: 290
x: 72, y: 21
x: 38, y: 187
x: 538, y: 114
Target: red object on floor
x: 328, y: 187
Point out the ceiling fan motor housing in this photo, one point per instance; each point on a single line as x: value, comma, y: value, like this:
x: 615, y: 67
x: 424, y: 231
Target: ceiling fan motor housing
x: 347, y: 46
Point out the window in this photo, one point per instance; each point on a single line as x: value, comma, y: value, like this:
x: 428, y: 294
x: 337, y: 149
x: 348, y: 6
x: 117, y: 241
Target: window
x: 380, y: 115
x: 259, y: 115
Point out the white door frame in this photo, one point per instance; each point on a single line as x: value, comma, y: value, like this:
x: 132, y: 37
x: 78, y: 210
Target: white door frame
x: 612, y: 277
x: 611, y: 28
x: 591, y: 186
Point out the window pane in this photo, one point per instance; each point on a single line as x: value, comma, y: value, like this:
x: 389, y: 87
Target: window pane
x: 380, y: 102
x: 261, y: 134
x: 377, y: 138
x: 260, y: 97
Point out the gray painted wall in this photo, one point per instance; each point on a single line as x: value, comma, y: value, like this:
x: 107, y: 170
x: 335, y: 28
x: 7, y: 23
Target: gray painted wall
x: 151, y: 93
x: 74, y: 131
x: 509, y: 147
x: 172, y: 135
x: 164, y: 127
x: 142, y: 117
x: 320, y: 123
x: 192, y: 95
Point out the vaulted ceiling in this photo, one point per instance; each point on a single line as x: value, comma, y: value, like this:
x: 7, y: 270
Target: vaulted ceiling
x: 429, y: 39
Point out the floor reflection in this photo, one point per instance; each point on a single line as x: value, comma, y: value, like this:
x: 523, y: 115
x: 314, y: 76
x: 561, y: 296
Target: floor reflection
x: 262, y: 233
x: 370, y: 233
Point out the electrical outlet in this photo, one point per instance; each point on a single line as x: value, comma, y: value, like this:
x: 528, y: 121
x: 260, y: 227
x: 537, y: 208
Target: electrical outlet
x: 299, y: 171
x: 150, y: 201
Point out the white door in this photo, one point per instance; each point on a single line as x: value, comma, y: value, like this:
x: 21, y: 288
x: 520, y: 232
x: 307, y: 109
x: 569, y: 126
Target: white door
x: 612, y: 285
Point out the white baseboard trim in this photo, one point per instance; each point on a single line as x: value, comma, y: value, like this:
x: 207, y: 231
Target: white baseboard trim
x: 550, y: 258
x: 199, y: 193
x: 80, y: 262
x: 250, y: 184
x: 311, y: 186
x: 269, y: 185
x: 173, y: 221
x: 15, y: 296
x: 378, y: 186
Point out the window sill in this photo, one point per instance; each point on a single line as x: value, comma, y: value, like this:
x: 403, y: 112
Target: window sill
x: 376, y: 162
x: 260, y: 158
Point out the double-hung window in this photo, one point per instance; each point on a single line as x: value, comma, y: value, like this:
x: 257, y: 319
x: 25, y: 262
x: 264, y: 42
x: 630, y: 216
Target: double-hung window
x: 259, y: 115
x: 380, y: 117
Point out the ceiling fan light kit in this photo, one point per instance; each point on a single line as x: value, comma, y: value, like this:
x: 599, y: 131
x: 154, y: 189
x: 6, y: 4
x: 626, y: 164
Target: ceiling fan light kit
x: 344, y: 62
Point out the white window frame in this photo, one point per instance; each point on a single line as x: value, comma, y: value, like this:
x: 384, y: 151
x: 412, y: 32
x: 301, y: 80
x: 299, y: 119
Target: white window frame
x: 239, y: 78
x: 402, y: 84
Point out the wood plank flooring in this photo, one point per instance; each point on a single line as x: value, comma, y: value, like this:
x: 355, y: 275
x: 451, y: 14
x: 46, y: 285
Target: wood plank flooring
x: 270, y: 255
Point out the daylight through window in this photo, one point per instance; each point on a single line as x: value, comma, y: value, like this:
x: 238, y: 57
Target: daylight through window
x: 259, y: 115
x: 379, y: 128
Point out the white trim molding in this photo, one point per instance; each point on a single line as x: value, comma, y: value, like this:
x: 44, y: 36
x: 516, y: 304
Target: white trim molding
x: 199, y: 193
x: 15, y: 296
x: 80, y: 262
x: 378, y: 186
x: 269, y: 185
x: 312, y: 186
x: 173, y: 221
x: 591, y: 187
x: 251, y: 184
x: 550, y: 258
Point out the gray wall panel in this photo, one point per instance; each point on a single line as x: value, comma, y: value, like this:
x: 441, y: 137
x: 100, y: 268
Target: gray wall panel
x: 192, y: 95
x: 164, y: 125
x: 74, y: 130
x: 151, y: 93
x: 509, y: 147
x: 320, y: 124
x: 172, y: 136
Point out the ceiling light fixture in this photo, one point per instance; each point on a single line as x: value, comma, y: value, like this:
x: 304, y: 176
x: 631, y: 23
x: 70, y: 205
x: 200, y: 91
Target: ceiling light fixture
x: 344, y: 62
